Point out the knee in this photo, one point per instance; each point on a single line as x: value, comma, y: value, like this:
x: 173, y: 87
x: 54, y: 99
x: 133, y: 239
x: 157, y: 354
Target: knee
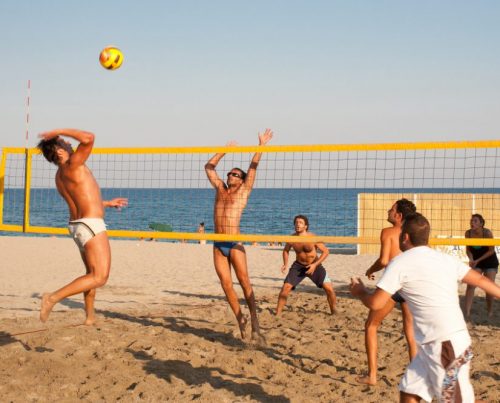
x: 328, y: 288
x: 100, y: 280
x: 285, y: 292
x: 90, y: 293
x: 371, y: 324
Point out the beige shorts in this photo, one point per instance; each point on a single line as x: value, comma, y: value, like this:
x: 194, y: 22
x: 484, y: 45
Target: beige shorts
x: 426, y: 376
x: 84, y: 229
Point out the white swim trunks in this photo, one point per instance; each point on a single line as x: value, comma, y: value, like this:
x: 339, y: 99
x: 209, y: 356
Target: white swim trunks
x: 441, y: 370
x: 84, y: 229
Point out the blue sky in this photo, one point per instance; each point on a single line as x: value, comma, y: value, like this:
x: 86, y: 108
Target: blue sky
x: 205, y: 72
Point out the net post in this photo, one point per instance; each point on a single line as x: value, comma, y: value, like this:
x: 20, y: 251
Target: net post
x: 27, y: 188
x: 2, y: 182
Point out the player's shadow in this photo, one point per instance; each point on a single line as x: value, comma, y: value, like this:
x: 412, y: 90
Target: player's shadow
x: 7, y: 338
x: 278, y: 279
x: 199, y: 296
x: 215, y: 377
x: 181, y: 325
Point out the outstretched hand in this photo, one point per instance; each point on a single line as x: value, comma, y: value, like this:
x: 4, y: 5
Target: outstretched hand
x: 370, y: 274
x: 265, y: 137
x: 357, y: 287
x: 117, y: 202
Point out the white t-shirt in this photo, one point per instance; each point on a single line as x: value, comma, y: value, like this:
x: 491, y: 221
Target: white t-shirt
x: 428, y: 281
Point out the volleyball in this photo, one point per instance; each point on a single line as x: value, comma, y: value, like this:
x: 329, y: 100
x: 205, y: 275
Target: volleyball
x: 111, y: 58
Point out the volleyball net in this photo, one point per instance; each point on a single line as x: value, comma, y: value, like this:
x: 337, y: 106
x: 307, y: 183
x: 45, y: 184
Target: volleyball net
x: 344, y: 190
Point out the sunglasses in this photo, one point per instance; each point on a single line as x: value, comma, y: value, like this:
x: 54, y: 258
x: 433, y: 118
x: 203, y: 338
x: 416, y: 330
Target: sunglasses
x: 236, y: 175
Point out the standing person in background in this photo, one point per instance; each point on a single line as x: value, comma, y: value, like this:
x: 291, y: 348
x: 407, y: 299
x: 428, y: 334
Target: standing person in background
x: 389, y: 248
x: 201, y: 230
x: 80, y: 190
x: 230, y: 200
x: 307, y: 264
x: 482, y: 259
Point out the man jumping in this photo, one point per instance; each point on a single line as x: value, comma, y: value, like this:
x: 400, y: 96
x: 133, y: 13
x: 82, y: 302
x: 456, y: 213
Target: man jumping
x: 78, y: 187
x: 230, y: 201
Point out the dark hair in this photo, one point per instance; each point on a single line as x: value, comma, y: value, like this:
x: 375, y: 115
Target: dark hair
x: 405, y: 207
x: 49, y: 149
x: 418, y: 229
x: 480, y: 218
x: 202, y: 224
x: 303, y: 217
x: 242, y: 172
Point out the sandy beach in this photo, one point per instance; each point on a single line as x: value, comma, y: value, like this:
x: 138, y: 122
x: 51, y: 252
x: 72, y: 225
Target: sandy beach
x: 165, y: 332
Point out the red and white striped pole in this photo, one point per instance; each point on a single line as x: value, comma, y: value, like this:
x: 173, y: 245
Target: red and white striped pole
x: 28, y: 111
x: 26, y: 164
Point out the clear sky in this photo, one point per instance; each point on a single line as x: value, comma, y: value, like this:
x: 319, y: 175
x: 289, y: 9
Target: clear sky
x: 205, y: 72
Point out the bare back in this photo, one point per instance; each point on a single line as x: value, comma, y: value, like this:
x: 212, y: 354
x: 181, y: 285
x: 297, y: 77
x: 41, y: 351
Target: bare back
x: 79, y: 188
x: 389, y: 247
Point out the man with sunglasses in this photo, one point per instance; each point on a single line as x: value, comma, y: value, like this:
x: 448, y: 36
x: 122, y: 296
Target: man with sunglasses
x: 230, y: 201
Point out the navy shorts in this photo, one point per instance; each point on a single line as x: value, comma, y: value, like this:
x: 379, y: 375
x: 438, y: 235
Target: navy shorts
x: 297, y: 273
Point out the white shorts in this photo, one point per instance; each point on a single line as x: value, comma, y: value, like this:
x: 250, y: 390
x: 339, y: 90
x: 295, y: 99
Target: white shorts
x: 84, y: 229
x: 426, y: 373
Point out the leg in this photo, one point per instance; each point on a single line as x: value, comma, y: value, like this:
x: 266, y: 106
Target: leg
x: 98, y: 257
x: 372, y: 324
x: 239, y: 262
x: 285, y: 290
x: 223, y: 270
x: 489, y: 299
x: 88, y: 297
x: 408, y: 330
x: 469, y: 295
x: 408, y: 398
x: 330, y: 295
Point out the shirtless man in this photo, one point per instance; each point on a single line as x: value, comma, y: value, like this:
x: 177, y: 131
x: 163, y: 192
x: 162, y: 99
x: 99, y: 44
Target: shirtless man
x: 389, y: 248
x: 230, y: 201
x: 428, y: 280
x: 307, y: 264
x: 78, y: 187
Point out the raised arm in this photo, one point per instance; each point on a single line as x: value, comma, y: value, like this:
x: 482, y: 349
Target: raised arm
x: 212, y: 175
x: 264, y: 138
x: 86, y: 140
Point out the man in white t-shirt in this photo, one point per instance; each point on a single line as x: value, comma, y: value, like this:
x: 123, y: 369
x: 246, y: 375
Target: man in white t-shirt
x: 428, y: 281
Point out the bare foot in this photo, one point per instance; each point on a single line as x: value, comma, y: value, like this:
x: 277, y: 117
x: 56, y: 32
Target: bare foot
x: 243, y: 326
x: 258, y: 339
x: 46, y: 307
x: 89, y: 321
x: 366, y: 380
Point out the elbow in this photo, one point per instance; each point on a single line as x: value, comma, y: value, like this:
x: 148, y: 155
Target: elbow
x: 88, y: 138
x: 209, y: 166
x: 384, y: 262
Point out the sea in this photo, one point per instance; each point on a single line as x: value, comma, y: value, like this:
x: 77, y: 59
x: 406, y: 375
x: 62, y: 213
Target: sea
x: 269, y: 211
